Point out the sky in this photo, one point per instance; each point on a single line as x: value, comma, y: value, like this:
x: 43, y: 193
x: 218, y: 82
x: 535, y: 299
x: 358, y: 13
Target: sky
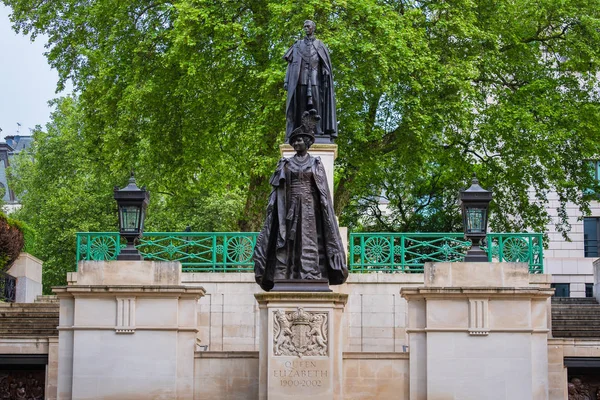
x: 27, y: 82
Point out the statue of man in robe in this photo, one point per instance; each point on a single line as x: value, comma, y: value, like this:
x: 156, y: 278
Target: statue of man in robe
x: 309, y: 85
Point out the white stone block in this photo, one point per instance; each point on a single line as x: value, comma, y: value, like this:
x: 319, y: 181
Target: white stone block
x: 119, y: 273
x: 28, y: 271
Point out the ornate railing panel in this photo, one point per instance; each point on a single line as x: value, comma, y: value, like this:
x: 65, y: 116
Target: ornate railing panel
x: 517, y: 247
x: 403, y: 252
x: 368, y: 252
x: 98, y: 246
x: 197, y: 251
x: 8, y: 287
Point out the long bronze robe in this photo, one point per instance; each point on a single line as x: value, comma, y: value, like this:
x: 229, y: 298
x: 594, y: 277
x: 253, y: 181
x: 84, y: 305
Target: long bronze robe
x: 294, y: 211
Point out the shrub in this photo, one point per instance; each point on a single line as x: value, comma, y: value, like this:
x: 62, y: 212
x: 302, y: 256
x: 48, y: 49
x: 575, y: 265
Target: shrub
x: 12, y: 241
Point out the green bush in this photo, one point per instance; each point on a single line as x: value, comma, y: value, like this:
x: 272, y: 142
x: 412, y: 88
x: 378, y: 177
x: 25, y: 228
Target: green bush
x: 12, y: 240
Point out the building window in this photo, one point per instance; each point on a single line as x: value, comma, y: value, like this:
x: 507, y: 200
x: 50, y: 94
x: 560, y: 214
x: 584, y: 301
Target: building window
x: 591, y: 230
x: 595, y: 173
x: 589, y: 290
x: 562, y: 289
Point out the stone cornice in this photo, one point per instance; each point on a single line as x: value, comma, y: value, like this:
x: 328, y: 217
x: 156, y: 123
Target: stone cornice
x: 469, y: 292
x: 305, y: 297
x: 146, y: 291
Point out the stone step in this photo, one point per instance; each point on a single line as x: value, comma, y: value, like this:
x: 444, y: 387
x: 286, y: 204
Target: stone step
x: 579, y: 328
x: 4, y: 332
x: 47, y: 298
x: 574, y: 300
x: 29, y: 320
x: 28, y: 308
x: 587, y: 334
x: 594, y: 320
x: 32, y: 306
x: 581, y: 313
x: 27, y: 314
x: 575, y: 325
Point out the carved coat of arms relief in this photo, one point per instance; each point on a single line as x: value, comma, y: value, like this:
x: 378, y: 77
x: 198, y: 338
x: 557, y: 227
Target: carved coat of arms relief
x: 300, y: 333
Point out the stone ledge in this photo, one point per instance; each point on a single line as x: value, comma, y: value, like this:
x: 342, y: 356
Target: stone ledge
x: 226, y: 354
x: 462, y: 292
x: 309, y: 297
x: 386, y: 278
x: 357, y: 355
x: 62, y: 291
x: 219, y: 277
x: 489, y: 331
x: 579, y: 342
x: 137, y: 328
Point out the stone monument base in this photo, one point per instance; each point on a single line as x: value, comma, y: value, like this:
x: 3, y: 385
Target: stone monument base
x: 478, y: 330
x: 301, y: 285
x: 301, y: 345
x: 127, y: 330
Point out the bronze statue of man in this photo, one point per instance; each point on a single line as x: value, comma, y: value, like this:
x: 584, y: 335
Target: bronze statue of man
x: 309, y: 85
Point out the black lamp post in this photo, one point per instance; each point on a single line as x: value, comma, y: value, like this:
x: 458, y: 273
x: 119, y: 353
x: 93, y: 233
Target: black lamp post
x: 474, y: 203
x: 132, y: 202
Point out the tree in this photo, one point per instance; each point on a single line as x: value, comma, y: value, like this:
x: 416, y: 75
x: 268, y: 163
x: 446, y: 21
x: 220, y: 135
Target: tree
x: 189, y: 94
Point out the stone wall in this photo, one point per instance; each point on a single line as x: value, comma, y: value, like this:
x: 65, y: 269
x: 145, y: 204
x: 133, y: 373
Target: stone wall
x: 42, y: 345
x: 564, y: 260
x: 558, y: 349
x: 374, y: 318
x: 234, y: 375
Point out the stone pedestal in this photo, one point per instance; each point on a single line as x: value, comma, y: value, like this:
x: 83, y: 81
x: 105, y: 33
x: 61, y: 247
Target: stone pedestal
x: 301, y: 344
x: 28, y: 271
x: 327, y: 153
x: 127, y: 330
x: 478, y: 331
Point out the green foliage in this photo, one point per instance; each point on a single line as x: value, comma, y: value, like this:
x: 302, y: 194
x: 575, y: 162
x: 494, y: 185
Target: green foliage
x: 189, y: 94
x: 11, y: 241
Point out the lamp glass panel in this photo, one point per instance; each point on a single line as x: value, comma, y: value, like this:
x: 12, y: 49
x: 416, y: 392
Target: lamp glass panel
x: 130, y: 216
x: 476, y: 220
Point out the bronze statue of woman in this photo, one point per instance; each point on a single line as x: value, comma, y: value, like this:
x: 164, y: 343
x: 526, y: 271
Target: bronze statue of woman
x: 300, y: 240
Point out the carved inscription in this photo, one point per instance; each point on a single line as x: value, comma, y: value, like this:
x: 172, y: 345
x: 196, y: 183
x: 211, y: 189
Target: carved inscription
x: 300, y: 333
x: 301, y: 374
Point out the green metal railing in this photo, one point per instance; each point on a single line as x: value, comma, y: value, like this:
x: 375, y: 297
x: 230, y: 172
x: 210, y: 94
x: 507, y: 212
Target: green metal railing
x: 408, y: 252
x: 403, y: 252
x: 368, y: 252
x: 517, y: 247
x: 197, y: 251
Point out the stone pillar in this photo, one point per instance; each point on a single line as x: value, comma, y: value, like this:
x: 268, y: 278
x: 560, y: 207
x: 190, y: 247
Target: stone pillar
x: 478, y: 331
x: 596, y: 266
x: 127, y: 330
x: 301, y: 343
x: 327, y: 152
x: 28, y: 271
x: 52, y: 369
